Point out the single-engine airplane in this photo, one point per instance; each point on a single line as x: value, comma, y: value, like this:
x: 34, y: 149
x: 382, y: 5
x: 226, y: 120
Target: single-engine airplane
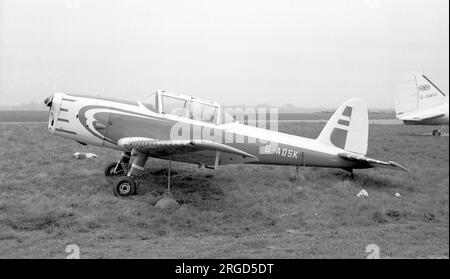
x: 182, y: 128
x: 418, y: 101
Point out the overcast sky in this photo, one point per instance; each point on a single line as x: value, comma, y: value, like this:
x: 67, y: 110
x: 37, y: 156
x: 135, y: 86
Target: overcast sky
x: 313, y: 53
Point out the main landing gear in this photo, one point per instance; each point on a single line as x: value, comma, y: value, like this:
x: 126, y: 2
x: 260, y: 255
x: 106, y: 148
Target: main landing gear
x: 124, y: 187
x: 128, y: 182
x: 118, y: 168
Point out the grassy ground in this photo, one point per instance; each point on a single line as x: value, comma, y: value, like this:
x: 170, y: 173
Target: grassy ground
x: 23, y: 116
x: 49, y: 200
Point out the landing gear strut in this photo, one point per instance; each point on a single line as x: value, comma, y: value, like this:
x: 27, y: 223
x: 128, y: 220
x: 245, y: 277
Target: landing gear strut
x: 118, y: 168
x: 127, y: 185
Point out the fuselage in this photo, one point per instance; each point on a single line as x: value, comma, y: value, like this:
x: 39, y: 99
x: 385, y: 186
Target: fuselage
x: 103, y: 122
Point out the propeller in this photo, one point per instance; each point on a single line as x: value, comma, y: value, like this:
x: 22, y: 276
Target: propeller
x: 48, y: 101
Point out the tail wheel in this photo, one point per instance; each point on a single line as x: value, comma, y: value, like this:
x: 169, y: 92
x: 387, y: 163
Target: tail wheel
x: 112, y: 170
x: 124, y: 187
x: 437, y: 132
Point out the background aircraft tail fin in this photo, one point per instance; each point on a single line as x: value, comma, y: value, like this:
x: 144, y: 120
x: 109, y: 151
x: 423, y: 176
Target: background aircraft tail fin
x: 348, y: 128
x: 430, y: 95
x: 417, y: 93
x: 406, y: 99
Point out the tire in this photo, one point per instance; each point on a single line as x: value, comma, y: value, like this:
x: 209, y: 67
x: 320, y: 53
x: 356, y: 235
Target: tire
x: 436, y: 133
x: 109, y: 169
x: 124, y: 187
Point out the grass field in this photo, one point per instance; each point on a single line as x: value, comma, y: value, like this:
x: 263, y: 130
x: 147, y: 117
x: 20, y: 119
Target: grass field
x: 49, y: 200
x: 23, y: 116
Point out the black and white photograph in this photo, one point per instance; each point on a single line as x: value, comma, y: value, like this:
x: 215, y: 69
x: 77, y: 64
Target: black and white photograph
x: 224, y: 130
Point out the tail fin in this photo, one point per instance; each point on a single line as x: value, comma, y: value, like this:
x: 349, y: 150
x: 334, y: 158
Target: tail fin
x: 430, y: 95
x: 417, y: 93
x: 348, y: 128
x: 406, y: 98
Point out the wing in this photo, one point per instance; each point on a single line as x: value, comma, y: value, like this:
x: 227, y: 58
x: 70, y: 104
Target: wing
x: 193, y: 151
x: 372, y: 163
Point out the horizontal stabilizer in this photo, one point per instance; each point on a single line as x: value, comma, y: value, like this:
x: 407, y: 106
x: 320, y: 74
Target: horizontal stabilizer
x: 368, y: 162
x: 423, y: 117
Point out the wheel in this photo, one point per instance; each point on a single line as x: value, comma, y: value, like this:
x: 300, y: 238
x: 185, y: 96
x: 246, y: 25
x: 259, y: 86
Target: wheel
x: 437, y: 132
x: 109, y: 169
x: 124, y: 187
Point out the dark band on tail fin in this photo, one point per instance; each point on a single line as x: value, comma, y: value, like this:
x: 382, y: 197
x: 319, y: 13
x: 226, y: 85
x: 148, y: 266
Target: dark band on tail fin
x: 348, y: 128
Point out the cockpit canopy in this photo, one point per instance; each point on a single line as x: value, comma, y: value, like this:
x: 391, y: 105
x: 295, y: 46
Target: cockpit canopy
x: 168, y: 103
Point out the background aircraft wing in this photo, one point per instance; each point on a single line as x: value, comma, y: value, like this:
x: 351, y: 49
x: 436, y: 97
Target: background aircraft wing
x: 372, y: 162
x: 192, y: 151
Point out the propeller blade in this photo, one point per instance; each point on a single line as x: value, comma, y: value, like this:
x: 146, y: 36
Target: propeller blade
x: 48, y: 101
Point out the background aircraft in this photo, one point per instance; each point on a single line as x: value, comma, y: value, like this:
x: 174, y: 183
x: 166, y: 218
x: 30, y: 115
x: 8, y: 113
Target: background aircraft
x: 211, y: 138
x: 418, y: 101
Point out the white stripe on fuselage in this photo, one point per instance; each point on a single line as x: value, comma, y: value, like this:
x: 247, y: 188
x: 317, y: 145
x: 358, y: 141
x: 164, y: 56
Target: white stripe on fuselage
x: 235, y: 128
x: 278, y: 137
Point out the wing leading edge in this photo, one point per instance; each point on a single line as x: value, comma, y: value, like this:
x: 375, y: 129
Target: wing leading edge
x: 373, y: 163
